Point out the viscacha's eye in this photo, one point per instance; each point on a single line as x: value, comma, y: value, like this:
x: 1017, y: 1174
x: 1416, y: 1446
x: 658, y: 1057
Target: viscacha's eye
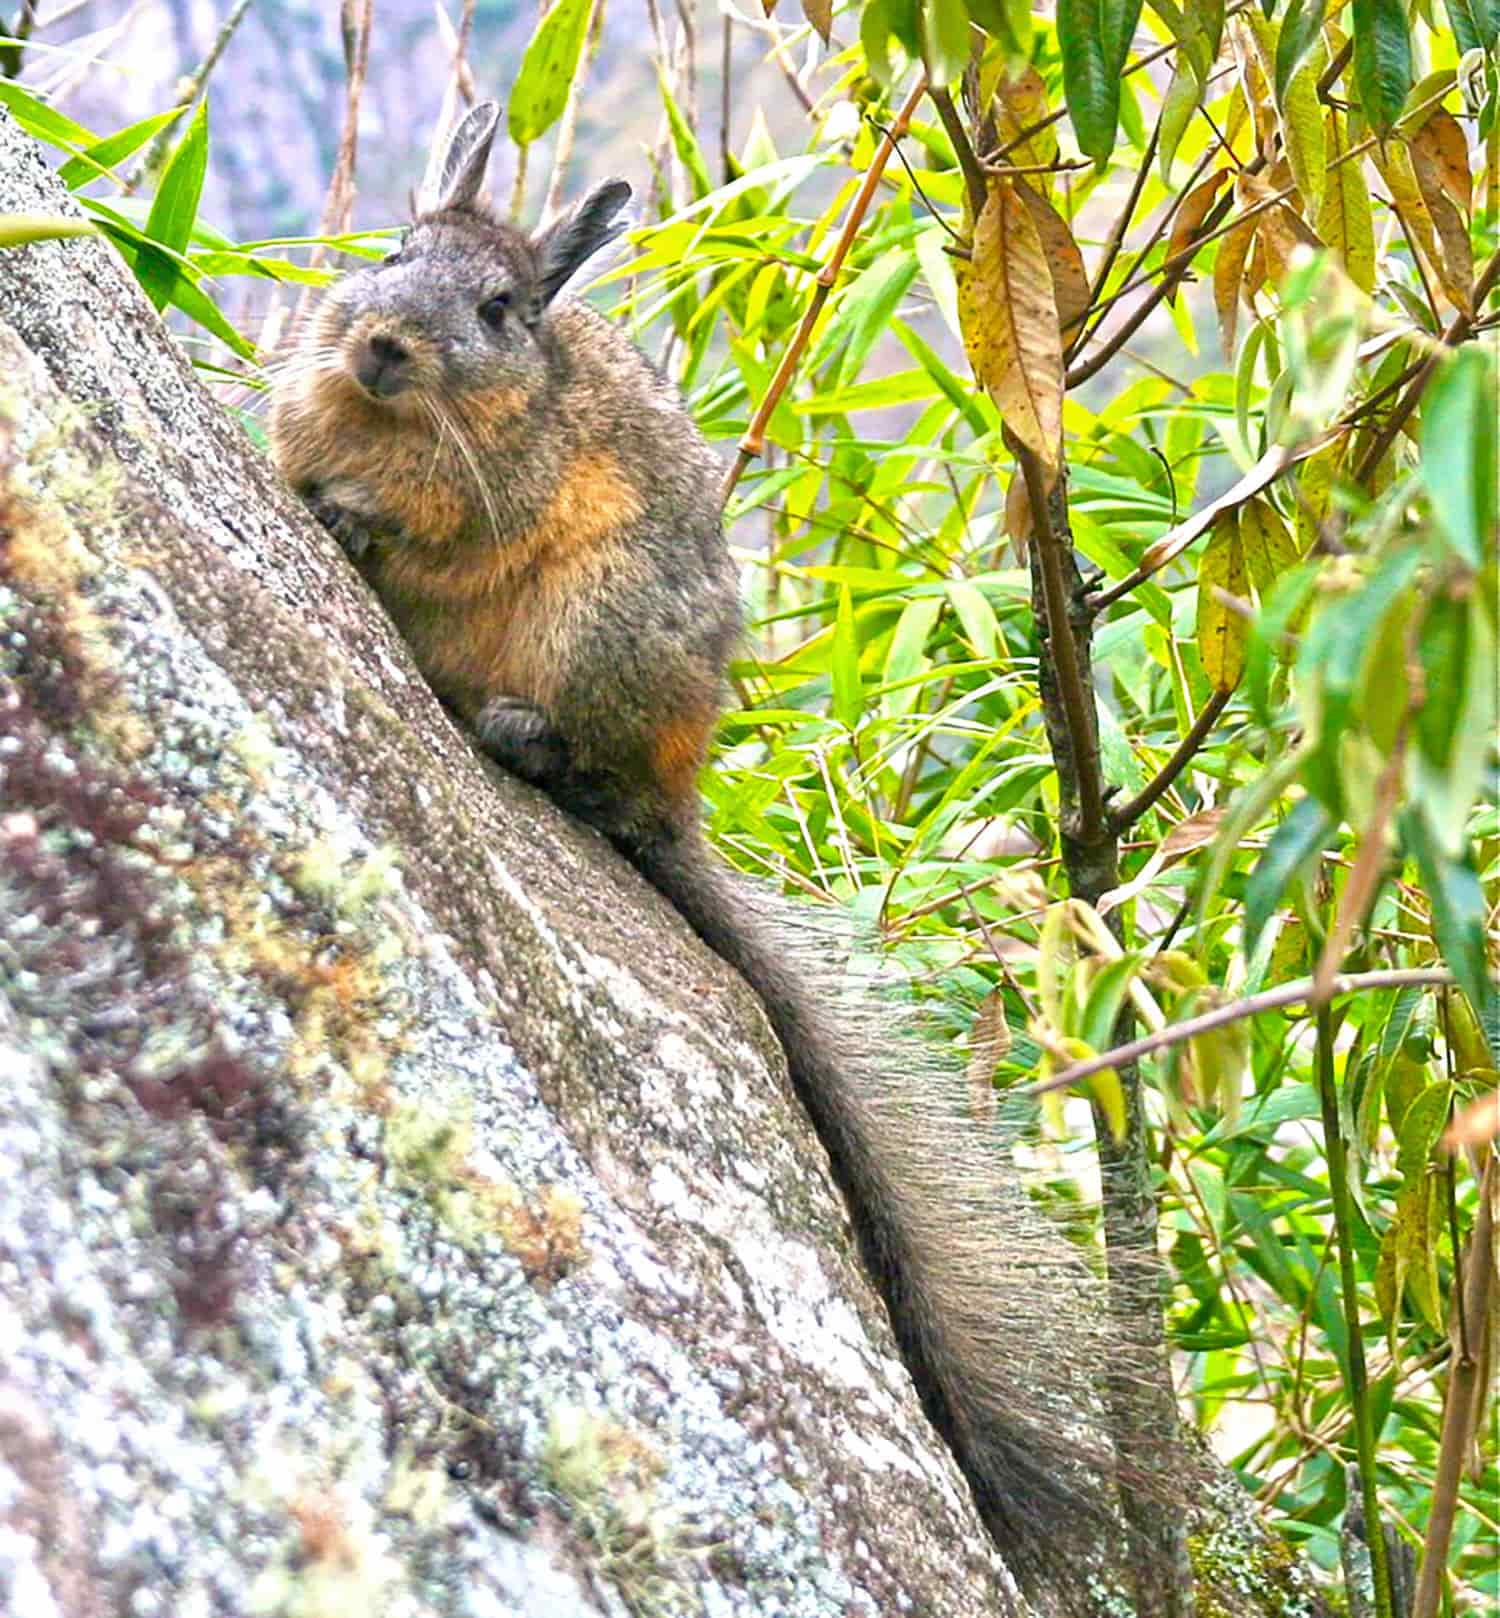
x: 494, y: 310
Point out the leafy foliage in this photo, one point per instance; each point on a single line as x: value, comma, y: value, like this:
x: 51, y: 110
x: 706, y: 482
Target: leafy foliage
x: 1226, y: 274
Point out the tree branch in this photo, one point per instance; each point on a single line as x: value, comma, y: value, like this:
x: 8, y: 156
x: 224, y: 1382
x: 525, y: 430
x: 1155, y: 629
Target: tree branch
x: 1295, y: 993
x: 974, y: 178
x: 1062, y: 645
x: 754, y: 441
x: 1458, y: 331
x: 1126, y: 816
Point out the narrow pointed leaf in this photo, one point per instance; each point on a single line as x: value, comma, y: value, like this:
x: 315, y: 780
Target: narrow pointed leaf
x: 1382, y: 61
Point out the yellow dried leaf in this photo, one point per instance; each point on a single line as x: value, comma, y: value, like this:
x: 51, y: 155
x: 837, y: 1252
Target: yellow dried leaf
x: 1346, y: 221
x: 1008, y: 314
x: 1267, y: 543
x: 1020, y: 104
x: 1315, y: 479
x: 1070, y: 280
x: 1393, y: 160
x: 1222, y: 626
x: 1256, y: 87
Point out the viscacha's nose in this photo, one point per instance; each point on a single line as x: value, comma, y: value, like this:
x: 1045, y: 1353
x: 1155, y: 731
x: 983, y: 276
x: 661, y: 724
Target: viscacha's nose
x: 382, y: 366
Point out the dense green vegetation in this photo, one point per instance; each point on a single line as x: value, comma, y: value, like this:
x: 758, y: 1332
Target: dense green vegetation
x: 1208, y: 291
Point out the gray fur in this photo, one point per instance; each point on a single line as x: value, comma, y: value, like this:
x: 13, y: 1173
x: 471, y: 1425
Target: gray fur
x: 467, y: 156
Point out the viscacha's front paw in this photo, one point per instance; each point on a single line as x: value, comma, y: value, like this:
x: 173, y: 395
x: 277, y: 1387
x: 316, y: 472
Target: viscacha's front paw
x: 519, y: 736
x: 355, y: 534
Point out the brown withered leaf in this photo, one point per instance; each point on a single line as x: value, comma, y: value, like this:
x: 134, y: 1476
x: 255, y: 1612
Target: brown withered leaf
x: 1195, y: 832
x: 1008, y: 313
x: 989, y: 1041
x: 818, y: 12
x: 1018, y: 521
x: 1229, y: 279
x: 1280, y: 230
x: 1070, y: 280
x: 1431, y: 167
x: 1476, y: 1123
x: 1190, y: 215
x: 1442, y: 141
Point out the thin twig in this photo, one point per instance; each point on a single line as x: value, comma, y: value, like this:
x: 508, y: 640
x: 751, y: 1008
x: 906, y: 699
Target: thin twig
x: 1126, y: 816
x: 754, y: 441
x: 156, y: 152
x: 1336, y: 1155
x: 356, y: 19
x: 1462, y: 1403
x: 1285, y: 994
x: 1458, y: 331
x: 974, y: 178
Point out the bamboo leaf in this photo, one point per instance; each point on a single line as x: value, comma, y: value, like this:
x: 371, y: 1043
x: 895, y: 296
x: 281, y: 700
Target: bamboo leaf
x: 174, y: 209
x: 17, y: 229
x: 1458, y: 908
x: 102, y: 155
x: 848, y: 691
x: 548, y: 69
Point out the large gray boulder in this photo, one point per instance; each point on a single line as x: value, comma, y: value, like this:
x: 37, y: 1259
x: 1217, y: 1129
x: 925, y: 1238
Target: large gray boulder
x: 400, y: 1212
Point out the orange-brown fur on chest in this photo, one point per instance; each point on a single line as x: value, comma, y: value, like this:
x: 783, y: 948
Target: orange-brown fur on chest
x: 488, y: 619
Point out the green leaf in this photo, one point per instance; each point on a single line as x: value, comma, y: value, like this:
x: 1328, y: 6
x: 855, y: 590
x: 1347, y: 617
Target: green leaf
x: 1382, y: 61
x: 1458, y: 909
x: 977, y: 617
x: 16, y: 229
x: 848, y: 692
x: 1460, y: 445
x: 548, y: 69
x: 46, y: 123
x: 945, y: 40
x: 1094, y: 37
x: 1303, y: 833
x: 1300, y: 29
x: 1476, y: 23
x: 684, y: 141
x: 102, y: 156
x: 174, y: 209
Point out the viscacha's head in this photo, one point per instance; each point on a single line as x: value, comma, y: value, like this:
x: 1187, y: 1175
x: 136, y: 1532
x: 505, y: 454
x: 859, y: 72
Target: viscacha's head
x: 459, y: 312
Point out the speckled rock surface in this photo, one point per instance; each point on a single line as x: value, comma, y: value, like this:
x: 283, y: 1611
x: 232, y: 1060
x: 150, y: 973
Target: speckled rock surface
x: 400, y: 1213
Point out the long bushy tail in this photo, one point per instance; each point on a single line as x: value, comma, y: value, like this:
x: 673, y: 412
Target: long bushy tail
x: 990, y: 1304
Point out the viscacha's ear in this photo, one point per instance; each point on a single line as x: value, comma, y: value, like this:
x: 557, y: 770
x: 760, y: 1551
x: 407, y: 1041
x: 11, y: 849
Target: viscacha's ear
x: 564, y: 247
x: 460, y: 162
